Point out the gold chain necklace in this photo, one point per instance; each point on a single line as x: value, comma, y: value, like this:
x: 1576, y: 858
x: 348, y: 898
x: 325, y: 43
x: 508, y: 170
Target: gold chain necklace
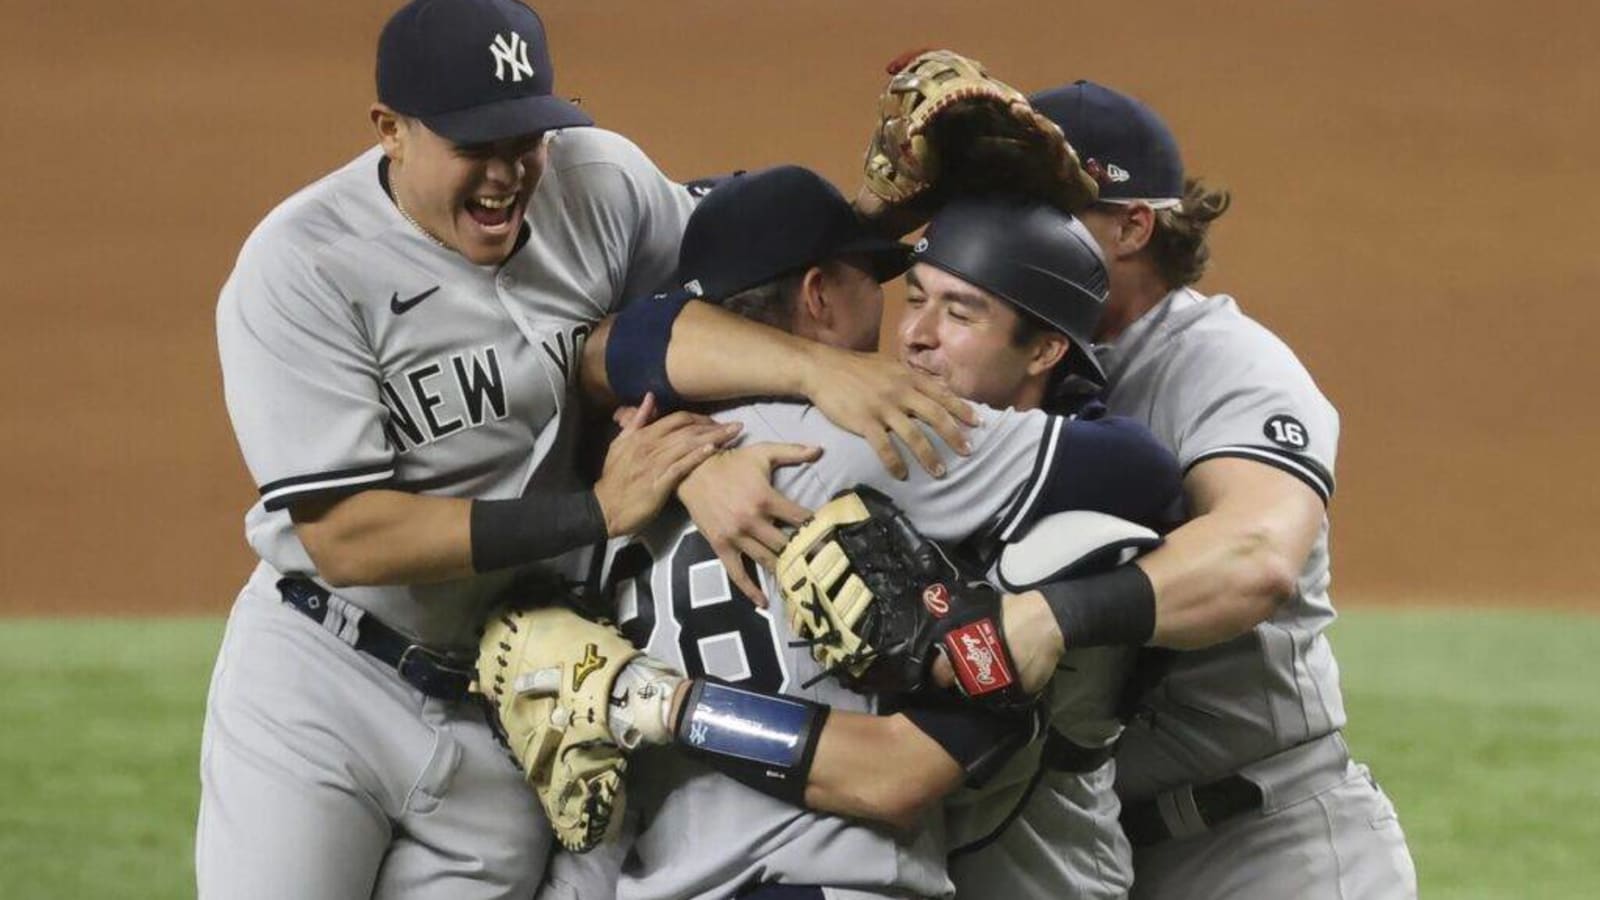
x: 414, y: 224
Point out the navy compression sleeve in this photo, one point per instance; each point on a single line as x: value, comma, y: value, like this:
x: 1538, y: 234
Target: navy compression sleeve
x: 636, y: 351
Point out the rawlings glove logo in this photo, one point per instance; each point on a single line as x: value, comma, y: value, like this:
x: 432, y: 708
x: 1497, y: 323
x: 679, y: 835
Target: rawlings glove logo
x: 976, y: 652
x: 936, y: 598
x: 980, y: 657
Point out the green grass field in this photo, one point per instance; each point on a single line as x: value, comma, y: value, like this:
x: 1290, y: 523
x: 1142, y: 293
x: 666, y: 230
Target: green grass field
x: 1484, y: 728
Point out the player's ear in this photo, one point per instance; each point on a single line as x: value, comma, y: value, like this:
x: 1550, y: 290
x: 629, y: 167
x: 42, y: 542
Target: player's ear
x: 1049, y: 350
x: 386, y: 122
x: 813, y: 299
x: 1136, y: 228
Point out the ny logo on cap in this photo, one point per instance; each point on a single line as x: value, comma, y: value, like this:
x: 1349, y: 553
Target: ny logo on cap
x: 513, y: 53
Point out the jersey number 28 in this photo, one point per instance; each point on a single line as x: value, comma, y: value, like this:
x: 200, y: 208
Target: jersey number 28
x: 719, y: 632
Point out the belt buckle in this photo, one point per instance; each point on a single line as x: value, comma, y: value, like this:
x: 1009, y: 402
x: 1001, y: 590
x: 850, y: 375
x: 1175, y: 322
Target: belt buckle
x: 433, y: 673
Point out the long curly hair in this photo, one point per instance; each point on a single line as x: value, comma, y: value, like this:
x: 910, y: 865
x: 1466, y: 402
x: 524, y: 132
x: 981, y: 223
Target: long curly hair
x: 1178, y: 244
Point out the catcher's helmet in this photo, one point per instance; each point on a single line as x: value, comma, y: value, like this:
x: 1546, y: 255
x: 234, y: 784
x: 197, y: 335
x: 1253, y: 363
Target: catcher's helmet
x: 1031, y: 254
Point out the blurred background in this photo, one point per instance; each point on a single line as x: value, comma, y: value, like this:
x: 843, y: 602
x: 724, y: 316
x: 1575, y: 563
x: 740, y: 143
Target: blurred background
x: 1414, y: 212
x: 1414, y: 201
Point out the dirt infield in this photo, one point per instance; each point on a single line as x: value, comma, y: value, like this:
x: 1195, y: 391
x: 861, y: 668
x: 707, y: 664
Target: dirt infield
x: 1414, y: 213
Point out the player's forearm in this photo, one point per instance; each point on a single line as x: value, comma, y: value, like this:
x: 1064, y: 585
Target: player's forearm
x: 885, y: 769
x: 880, y: 768
x: 1215, y: 578
x: 387, y: 537
x: 1228, y: 568
x: 393, y: 537
x: 712, y: 355
x: 718, y: 355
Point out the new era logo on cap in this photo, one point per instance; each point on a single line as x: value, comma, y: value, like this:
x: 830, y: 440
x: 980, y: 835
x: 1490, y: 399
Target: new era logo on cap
x: 1102, y: 125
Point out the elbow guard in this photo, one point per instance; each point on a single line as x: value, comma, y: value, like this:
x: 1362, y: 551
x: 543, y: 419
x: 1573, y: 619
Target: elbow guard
x: 759, y: 740
x: 1079, y: 561
x: 636, y: 352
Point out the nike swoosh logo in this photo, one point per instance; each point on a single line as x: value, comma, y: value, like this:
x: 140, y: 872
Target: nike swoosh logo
x: 400, y: 307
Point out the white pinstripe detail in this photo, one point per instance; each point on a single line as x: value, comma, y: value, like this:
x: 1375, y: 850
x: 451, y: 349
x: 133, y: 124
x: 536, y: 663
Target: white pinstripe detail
x: 1039, y: 478
x: 289, y: 490
x: 1311, y: 474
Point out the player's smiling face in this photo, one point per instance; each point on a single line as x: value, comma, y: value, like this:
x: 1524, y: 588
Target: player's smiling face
x: 964, y: 337
x: 471, y: 197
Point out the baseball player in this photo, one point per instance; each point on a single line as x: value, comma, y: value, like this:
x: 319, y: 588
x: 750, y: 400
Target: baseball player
x: 1235, y: 777
x: 400, y: 346
x: 701, y: 833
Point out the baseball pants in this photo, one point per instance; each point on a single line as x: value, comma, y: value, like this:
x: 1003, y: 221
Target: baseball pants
x: 324, y: 776
x: 1342, y: 843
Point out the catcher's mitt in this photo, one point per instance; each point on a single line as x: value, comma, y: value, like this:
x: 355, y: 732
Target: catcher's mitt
x: 874, y: 599
x: 549, y: 675
x: 945, y: 127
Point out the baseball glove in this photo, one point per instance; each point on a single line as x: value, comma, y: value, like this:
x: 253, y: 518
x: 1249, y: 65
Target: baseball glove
x: 946, y: 127
x: 874, y: 600
x: 549, y: 675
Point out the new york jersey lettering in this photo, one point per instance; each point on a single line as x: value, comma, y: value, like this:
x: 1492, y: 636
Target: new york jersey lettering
x: 563, y: 351
x: 443, y: 396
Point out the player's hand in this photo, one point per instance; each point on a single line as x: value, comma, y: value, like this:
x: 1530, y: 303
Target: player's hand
x: 648, y: 460
x: 1032, y: 636
x: 732, y: 501
x: 876, y: 397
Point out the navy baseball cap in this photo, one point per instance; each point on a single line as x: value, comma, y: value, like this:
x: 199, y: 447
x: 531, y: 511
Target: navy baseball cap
x: 753, y: 228
x: 474, y: 71
x: 1122, y: 142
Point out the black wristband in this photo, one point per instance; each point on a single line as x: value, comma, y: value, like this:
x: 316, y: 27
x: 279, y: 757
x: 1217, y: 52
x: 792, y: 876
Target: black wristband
x: 509, y: 533
x: 1110, y: 609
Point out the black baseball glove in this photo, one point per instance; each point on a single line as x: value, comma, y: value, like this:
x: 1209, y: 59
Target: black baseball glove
x: 875, y: 600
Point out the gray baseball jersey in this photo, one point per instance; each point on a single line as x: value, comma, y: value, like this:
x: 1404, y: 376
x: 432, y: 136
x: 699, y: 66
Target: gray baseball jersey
x: 357, y: 354
x: 1212, y: 383
x: 702, y: 834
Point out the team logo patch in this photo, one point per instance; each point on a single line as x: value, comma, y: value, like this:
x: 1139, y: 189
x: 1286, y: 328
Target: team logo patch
x: 591, y: 663
x: 510, y: 51
x: 1286, y: 432
x: 979, y: 658
x: 936, y: 597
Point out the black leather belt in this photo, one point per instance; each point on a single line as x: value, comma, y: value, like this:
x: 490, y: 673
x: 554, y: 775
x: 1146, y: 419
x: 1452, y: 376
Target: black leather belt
x: 1062, y: 754
x: 441, y: 675
x: 1213, y: 803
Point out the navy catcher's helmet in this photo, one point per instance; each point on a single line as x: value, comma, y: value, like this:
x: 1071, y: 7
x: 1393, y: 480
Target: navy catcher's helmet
x: 1032, y: 255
